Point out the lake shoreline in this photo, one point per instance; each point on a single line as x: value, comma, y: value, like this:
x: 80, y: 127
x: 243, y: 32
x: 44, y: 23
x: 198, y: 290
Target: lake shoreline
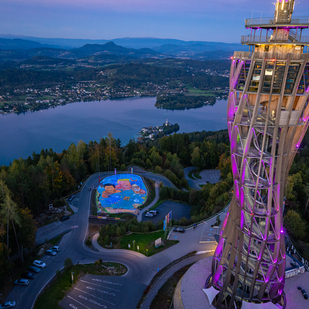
x: 57, y: 128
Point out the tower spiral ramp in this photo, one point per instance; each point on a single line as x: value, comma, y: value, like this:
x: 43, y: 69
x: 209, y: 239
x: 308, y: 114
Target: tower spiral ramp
x: 267, y: 116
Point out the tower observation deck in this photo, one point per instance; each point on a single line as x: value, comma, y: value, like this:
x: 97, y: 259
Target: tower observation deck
x: 267, y: 116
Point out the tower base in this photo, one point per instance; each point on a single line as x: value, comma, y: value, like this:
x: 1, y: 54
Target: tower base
x: 189, y: 292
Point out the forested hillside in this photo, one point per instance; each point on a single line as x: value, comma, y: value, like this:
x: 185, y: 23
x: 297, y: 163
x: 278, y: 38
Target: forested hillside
x: 28, y: 186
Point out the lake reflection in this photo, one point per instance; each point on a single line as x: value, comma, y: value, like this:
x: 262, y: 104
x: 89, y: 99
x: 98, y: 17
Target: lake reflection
x: 57, y: 128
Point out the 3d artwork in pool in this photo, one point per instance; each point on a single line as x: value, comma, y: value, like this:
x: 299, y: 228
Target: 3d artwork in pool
x: 121, y: 193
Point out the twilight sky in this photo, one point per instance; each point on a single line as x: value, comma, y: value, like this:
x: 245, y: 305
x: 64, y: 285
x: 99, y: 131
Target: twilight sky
x: 204, y: 20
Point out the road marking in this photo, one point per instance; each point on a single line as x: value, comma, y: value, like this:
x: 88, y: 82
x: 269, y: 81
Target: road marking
x: 94, y: 296
x: 100, y: 285
x: 91, y: 301
x: 78, y: 302
x: 108, y: 282
x: 104, y: 292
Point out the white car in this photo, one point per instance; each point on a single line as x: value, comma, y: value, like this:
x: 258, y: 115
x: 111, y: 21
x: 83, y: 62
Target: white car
x: 149, y: 214
x: 55, y: 248
x: 39, y: 264
x: 8, y: 304
x: 22, y: 282
x: 50, y: 252
x: 154, y: 212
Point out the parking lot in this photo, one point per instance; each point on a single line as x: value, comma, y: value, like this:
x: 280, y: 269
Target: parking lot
x: 104, y: 292
x: 178, y: 211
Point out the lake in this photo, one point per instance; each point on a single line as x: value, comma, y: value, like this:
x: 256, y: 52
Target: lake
x: 58, y: 127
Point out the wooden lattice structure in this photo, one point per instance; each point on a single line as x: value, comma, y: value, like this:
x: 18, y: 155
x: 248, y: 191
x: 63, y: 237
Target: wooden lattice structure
x: 267, y: 115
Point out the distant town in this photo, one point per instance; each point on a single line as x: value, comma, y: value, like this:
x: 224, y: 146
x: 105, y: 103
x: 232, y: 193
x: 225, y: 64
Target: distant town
x: 23, y: 98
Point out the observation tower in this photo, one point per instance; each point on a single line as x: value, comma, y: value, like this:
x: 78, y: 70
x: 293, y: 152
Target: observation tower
x: 267, y: 118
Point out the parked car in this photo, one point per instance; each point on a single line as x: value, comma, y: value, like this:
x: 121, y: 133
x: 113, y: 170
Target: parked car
x: 154, y: 212
x: 22, y: 282
x: 179, y: 229
x: 304, y: 294
x: 28, y: 275
x: 34, y: 269
x: 50, y: 252
x: 39, y: 264
x: 149, y: 214
x: 55, y: 248
x: 64, y: 218
x: 8, y: 304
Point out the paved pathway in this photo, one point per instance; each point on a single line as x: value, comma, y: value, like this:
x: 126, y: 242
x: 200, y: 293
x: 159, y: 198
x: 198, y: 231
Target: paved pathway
x: 141, y: 268
x: 54, y: 229
x: 190, y: 181
x: 295, y: 299
x: 209, y: 231
x: 57, y: 228
x: 211, y: 176
x: 188, y: 243
x: 140, y: 214
x: 156, y: 177
x: 169, y: 273
x: 179, y: 210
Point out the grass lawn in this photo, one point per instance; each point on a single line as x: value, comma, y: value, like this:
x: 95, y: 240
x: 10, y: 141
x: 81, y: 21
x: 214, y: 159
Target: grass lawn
x: 197, y: 175
x: 190, y: 175
x: 165, y: 295
x: 62, y: 283
x: 55, y: 241
x: 145, y: 242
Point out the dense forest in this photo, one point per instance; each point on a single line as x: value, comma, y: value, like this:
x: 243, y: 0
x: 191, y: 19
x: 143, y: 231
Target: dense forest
x: 296, y: 218
x: 130, y: 74
x: 28, y: 186
x: 182, y: 102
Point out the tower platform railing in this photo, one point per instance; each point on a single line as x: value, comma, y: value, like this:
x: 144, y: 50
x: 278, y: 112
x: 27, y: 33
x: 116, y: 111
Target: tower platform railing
x: 271, y: 39
x: 270, y: 21
x: 269, y: 56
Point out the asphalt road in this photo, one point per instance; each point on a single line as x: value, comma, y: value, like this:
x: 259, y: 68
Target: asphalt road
x: 211, y: 176
x: 141, y: 268
x: 179, y: 211
x: 191, y: 182
x: 78, y: 252
x: 105, y: 292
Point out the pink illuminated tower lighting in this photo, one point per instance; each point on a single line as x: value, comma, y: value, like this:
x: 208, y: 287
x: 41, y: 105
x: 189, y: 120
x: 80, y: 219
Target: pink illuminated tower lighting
x: 267, y: 115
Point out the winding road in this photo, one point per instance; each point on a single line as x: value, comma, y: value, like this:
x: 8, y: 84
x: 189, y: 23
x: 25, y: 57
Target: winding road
x: 140, y: 267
